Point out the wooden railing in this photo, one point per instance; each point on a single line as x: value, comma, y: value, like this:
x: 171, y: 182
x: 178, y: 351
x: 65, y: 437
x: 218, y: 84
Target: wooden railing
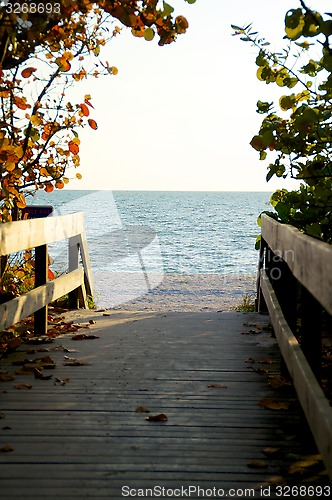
x: 295, y: 287
x: 38, y: 233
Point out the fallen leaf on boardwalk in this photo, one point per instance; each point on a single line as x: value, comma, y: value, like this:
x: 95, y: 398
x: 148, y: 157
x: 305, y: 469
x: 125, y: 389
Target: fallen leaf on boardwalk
x: 270, y: 451
x: 257, y: 464
x: 76, y: 362
x: 273, y: 405
x: 19, y: 362
x: 58, y: 381
x: 306, y: 463
x: 25, y: 370
x: 39, y: 375
x: 6, y: 448
x: 4, y: 377
x: 250, y: 332
x: 259, y: 326
x: 39, y: 340
x: 34, y: 351
x: 250, y: 360
x: 62, y: 348
x: 92, y: 321
x: 83, y: 336
x: 277, y: 381
x: 142, y: 409
x: 157, y: 418
x: 23, y: 387
x: 259, y: 370
x: 218, y: 385
x: 265, y: 361
x: 2, y: 415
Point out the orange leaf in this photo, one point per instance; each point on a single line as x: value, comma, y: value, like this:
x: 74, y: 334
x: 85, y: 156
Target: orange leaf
x: 59, y: 184
x: 63, y: 64
x: 84, y: 109
x: 49, y: 187
x: 73, y: 148
x: 50, y: 274
x: 21, y: 102
x: 92, y: 124
x: 27, y: 72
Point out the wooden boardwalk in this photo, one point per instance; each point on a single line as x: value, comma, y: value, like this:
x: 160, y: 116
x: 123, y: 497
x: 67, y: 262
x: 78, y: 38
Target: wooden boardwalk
x: 207, y: 372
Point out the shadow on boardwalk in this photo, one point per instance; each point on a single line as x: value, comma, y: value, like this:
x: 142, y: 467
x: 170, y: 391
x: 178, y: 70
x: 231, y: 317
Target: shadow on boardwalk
x: 207, y: 372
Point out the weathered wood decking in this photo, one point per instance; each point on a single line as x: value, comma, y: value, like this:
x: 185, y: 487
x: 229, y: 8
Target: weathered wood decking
x: 85, y: 440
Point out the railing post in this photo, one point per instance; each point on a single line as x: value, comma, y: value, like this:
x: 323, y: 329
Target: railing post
x: 73, y: 261
x: 260, y: 304
x: 41, y: 277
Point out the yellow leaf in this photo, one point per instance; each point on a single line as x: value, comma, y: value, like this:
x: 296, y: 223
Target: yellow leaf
x: 149, y: 34
x: 65, y: 180
x: 10, y: 167
x: 35, y: 120
x: 79, y: 176
x: 114, y: 70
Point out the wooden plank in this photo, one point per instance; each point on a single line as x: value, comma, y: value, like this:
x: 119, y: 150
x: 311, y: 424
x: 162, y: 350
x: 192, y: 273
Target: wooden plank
x: 313, y: 401
x: 19, y: 235
x: 309, y: 259
x: 23, y: 306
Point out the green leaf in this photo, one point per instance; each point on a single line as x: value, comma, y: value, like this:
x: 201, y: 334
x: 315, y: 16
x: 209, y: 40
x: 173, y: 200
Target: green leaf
x: 168, y: 9
x: 149, y: 34
x: 294, y: 24
x: 237, y: 28
x: 263, y: 107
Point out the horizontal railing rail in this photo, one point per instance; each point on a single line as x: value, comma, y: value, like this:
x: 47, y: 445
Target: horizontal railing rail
x: 78, y: 282
x: 295, y: 287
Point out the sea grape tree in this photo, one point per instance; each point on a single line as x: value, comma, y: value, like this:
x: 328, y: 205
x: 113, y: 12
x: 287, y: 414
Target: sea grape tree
x: 295, y: 133
x: 46, y: 47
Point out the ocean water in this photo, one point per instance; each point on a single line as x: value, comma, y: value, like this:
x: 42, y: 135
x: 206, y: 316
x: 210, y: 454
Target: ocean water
x: 192, y: 232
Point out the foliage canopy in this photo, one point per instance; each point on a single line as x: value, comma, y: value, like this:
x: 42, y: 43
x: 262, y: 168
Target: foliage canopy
x: 296, y: 132
x: 45, y: 47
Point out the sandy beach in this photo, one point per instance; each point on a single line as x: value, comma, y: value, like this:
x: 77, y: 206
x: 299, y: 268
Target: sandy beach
x: 174, y: 292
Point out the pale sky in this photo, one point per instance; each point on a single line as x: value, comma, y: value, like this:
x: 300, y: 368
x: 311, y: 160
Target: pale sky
x: 180, y: 117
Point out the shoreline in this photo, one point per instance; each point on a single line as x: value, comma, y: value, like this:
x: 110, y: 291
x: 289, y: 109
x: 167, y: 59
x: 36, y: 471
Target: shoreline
x: 172, y: 292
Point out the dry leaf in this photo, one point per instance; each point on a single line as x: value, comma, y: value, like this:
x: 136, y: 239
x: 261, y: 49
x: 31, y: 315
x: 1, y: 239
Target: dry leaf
x: 277, y: 381
x: 257, y: 464
x: 23, y: 387
x: 273, y: 405
x: 62, y: 348
x: 34, y: 351
x: 76, y: 362
x: 250, y: 332
x: 157, y: 418
x: 142, y: 409
x: 250, y: 360
x: 265, y: 361
x: 6, y: 448
x: 39, y: 375
x: 92, y: 321
x: 4, y: 377
x: 58, y: 381
x: 306, y: 463
x: 2, y: 415
x: 25, y: 370
x: 83, y: 336
x: 260, y: 370
x: 218, y: 385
